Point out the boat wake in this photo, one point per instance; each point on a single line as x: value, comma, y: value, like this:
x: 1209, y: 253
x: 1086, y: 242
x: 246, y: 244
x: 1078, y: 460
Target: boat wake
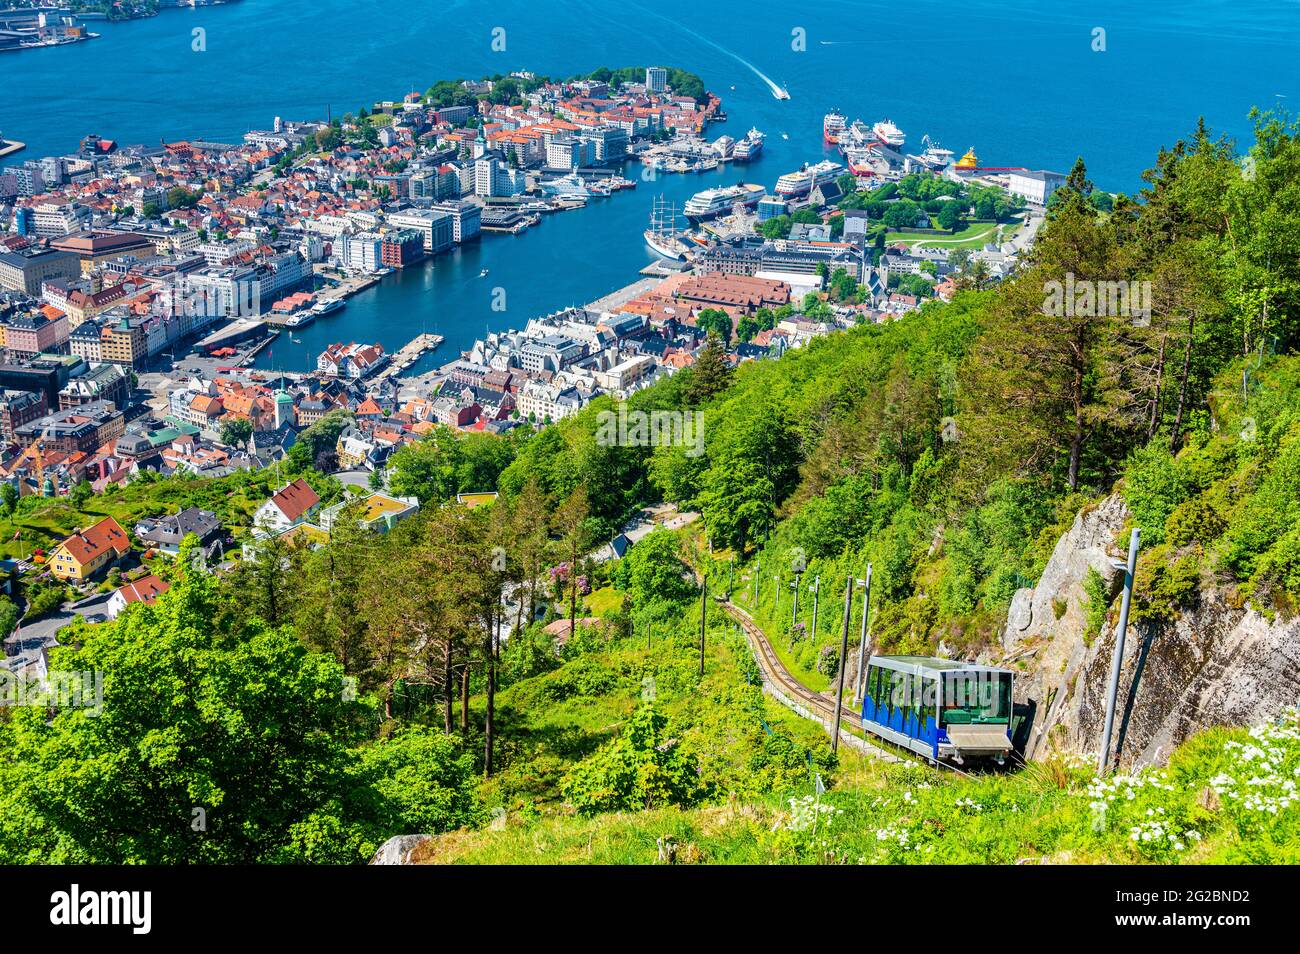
x: 778, y: 91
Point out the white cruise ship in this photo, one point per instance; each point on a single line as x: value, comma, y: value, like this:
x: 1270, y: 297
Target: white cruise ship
x: 714, y: 202
x: 571, y: 186
x: 889, y: 134
x: 794, y: 184
x: 824, y: 171
x: 749, y: 147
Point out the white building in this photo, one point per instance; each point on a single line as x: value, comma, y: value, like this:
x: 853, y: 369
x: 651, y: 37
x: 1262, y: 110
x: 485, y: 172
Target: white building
x: 437, y: 226
x: 1034, y: 186
x: 656, y: 79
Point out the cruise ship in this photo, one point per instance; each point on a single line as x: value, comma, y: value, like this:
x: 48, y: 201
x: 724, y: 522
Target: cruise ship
x: 889, y: 134
x: 748, y: 148
x: 832, y: 127
x: 714, y: 202
x: 824, y: 171
x: 794, y: 184
x: 566, y: 187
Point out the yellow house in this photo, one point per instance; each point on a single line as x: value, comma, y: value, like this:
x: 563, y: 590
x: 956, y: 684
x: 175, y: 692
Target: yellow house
x: 88, y: 551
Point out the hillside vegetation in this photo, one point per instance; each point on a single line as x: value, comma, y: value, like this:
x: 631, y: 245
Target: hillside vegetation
x: 312, y: 703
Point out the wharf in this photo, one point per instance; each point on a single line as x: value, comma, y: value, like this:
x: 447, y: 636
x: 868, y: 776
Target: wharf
x: 10, y: 146
x: 350, y: 285
x: 409, y: 354
x: 615, y: 300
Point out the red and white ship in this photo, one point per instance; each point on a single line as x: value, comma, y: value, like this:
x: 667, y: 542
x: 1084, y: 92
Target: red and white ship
x: 832, y: 127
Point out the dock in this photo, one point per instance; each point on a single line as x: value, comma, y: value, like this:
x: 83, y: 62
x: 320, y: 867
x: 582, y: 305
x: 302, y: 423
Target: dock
x: 10, y: 146
x: 409, y: 353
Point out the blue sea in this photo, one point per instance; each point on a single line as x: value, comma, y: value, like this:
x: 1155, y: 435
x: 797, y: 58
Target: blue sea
x: 1021, y: 82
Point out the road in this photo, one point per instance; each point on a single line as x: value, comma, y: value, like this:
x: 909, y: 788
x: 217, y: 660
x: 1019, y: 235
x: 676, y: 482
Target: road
x: 42, y: 632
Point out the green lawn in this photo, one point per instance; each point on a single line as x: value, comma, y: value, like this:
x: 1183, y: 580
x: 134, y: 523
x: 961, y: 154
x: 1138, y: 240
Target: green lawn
x: 973, y: 236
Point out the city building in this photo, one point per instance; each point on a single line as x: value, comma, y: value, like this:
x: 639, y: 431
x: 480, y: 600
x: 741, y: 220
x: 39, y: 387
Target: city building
x: 28, y: 269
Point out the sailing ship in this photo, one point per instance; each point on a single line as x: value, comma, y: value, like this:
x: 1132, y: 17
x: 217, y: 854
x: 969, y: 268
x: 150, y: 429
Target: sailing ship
x: 662, y: 236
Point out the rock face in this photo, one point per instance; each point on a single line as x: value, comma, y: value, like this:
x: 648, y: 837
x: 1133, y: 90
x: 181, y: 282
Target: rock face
x: 397, y: 850
x: 1215, y: 665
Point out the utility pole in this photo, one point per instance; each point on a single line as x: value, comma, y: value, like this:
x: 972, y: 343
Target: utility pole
x: 816, y: 592
x: 844, y: 649
x: 776, y: 591
x: 862, y: 644
x: 1117, y: 660
x: 794, y: 612
x: 704, y: 595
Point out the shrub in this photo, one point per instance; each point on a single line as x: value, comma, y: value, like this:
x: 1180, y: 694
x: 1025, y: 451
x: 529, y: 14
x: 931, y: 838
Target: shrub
x: 1094, y: 586
x: 641, y: 769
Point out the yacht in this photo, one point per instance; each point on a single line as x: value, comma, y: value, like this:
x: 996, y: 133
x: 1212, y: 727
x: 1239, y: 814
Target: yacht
x: 327, y: 306
x: 713, y: 202
x: 566, y: 187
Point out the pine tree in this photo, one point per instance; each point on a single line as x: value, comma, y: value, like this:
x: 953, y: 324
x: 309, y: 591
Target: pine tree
x: 711, y: 374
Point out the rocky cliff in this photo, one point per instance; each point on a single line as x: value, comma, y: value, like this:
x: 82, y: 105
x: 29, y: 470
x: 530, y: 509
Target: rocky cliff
x: 1217, y: 664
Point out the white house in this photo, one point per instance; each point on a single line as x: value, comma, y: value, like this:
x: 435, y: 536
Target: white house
x: 291, y: 505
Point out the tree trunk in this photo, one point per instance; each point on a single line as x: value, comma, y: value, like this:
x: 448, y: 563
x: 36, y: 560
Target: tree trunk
x: 1182, y: 385
x: 1160, y: 380
x: 1076, y: 440
x: 573, y: 593
x: 447, y: 691
x: 489, y: 717
x: 464, y: 699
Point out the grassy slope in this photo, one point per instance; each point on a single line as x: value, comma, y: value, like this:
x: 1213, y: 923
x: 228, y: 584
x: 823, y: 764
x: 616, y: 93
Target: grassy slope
x: 1198, y: 810
x: 550, y: 722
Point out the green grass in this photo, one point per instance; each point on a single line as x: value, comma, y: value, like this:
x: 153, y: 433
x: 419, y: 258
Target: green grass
x: 973, y: 236
x: 550, y: 722
x: 602, y: 601
x: 1197, y: 810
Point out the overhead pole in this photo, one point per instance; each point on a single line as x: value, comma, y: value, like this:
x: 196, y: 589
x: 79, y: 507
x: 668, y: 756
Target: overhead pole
x: 1117, y: 659
x: 816, y: 591
x: 844, y: 648
x: 862, y: 644
x: 794, y: 610
x: 704, y: 594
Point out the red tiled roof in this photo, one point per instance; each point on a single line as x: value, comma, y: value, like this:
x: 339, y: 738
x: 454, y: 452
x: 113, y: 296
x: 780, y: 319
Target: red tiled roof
x: 85, y: 545
x: 144, y: 590
x: 296, y: 499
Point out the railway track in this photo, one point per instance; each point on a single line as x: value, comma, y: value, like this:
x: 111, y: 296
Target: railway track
x: 774, y: 670
x: 823, y: 709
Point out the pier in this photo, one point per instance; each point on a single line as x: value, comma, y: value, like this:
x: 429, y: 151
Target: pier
x: 409, y: 353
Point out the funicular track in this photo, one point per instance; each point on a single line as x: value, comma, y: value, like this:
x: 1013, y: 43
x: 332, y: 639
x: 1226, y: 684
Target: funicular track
x: 815, y: 705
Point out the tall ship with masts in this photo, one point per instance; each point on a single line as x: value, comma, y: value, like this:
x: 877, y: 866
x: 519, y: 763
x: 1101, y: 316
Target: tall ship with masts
x: 663, y: 236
